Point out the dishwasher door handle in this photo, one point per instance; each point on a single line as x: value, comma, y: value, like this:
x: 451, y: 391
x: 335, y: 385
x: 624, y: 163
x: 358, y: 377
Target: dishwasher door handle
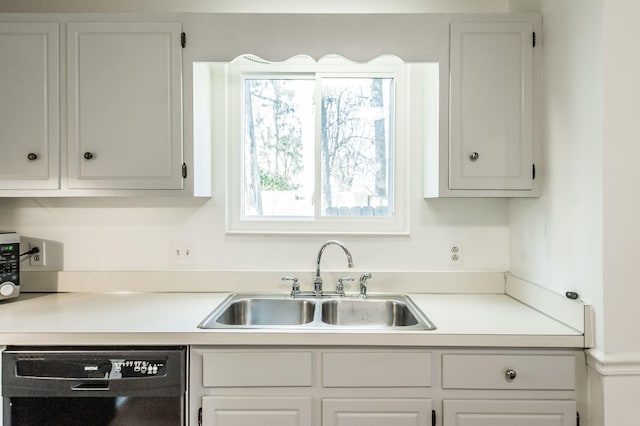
x: 90, y: 386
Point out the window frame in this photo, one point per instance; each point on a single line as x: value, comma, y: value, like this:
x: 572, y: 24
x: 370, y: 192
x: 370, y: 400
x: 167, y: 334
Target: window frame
x: 395, y: 224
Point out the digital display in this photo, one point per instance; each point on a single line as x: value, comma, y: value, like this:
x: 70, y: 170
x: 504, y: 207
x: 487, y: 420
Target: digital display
x: 9, y: 265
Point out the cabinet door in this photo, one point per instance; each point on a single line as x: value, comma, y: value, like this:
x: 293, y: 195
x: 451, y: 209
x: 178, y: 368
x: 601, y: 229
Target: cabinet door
x: 124, y: 105
x: 509, y: 413
x: 29, y: 118
x: 491, y: 106
x: 251, y: 411
x: 376, y: 412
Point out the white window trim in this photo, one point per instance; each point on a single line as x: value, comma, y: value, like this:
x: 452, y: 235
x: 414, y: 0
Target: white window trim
x: 396, y: 224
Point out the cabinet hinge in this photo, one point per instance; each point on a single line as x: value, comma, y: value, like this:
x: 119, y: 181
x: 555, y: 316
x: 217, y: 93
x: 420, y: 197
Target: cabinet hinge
x: 533, y: 39
x: 433, y: 417
x: 577, y: 419
x: 200, y: 416
x: 184, y: 170
x: 533, y: 172
x: 183, y: 40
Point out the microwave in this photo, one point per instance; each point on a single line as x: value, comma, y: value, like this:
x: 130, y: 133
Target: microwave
x: 9, y: 265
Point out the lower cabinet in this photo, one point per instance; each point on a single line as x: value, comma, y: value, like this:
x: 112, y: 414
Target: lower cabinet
x: 472, y: 412
x: 249, y: 411
x: 522, y: 377
x: 376, y: 412
x: 382, y: 386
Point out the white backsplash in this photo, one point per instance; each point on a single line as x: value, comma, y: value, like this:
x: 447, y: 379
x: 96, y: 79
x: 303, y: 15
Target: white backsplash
x: 126, y: 234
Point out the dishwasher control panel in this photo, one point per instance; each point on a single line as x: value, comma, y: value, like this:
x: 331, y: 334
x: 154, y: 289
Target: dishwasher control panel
x: 138, y: 368
x: 81, y: 368
x: 9, y: 265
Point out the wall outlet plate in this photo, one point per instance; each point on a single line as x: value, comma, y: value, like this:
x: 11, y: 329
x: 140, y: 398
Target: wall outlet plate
x: 38, y: 259
x: 182, y: 253
x: 454, y: 252
x: 49, y: 258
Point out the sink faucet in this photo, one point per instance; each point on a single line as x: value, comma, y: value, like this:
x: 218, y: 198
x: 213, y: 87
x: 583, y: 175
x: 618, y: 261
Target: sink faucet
x: 317, y: 282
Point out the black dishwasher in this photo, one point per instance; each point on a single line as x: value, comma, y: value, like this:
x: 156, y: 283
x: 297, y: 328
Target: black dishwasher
x: 97, y: 386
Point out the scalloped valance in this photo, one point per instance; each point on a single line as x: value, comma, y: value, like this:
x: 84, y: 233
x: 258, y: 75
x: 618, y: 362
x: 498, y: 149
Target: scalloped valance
x: 276, y: 37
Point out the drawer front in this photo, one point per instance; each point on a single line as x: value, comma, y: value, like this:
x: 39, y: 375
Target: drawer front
x: 256, y: 369
x: 376, y: 369
x: 536, y: 372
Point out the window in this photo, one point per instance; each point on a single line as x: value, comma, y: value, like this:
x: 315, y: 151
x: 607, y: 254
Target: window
x: 280, y: 134
x: 315, y: 147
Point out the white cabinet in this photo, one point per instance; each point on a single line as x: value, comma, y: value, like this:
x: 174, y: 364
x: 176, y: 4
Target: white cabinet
x: 490, y: 148
x: 124, y: 105
x: 242, y: 369
x: 375, y: 373
x: 491, y: 106
x: 251, y: 387
x: 382, y: 369
x: 115, y: 128
x: 29, y: 106
x: 525, y: 376
x: 376, y: 412
x: 310, y: 387
x: 509, y: 413
x: 508, y: 372
x: 251, y: 411
x: 382, y: 386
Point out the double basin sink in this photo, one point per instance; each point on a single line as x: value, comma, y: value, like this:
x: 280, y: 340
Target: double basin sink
x: 376, y: 311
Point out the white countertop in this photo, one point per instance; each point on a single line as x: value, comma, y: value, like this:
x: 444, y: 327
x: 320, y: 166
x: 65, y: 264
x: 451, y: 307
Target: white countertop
x: 480, y: 320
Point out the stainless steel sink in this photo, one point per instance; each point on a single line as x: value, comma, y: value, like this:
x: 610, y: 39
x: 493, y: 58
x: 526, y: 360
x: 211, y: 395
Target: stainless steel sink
x: 260, y: 311
x: 370, y: 312
x: 379, y: 311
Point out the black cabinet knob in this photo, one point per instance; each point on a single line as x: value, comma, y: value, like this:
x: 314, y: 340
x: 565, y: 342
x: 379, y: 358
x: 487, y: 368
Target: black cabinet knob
x: 32, y: 156
x: 88, y: 156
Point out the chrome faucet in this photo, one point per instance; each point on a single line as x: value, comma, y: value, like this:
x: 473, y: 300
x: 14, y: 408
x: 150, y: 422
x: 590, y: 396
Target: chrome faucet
x: 317, y: 282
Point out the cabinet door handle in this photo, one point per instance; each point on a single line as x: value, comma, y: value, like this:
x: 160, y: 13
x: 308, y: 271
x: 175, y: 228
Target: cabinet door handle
x: 510, y: 375
x: 474, y: 156
x: 32, y: 156
x: 88, y: 156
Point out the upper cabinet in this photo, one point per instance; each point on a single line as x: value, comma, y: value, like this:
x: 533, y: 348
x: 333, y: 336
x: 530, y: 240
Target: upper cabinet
x: 100, y: 105
x: 491, y: 106
x: 116, y: 126
x: 124, y: 105
x: 29, y: 134
x: 488, y: 148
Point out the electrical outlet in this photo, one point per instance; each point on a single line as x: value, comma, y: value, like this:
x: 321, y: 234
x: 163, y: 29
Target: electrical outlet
x: 455, y: 253
x: 50, y: 256
x: 38, y: 259
x: 182, y: 253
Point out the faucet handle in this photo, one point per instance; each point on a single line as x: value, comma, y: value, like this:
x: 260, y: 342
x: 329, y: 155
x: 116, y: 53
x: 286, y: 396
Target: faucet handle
x: 340, y: 285
x: 295, y: 285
